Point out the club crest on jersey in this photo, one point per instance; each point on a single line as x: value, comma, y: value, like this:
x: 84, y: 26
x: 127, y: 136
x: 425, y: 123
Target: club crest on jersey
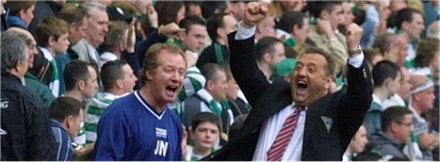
x: 161, y: 132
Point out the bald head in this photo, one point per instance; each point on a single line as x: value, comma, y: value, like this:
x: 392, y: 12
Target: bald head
x: 433, y: 30
x: 420, y: 83
x: 30, y: 43
x: 22, y: 31
x: 422, y: 94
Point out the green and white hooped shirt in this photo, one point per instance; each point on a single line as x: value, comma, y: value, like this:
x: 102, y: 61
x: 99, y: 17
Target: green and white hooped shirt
x: 54, y: 84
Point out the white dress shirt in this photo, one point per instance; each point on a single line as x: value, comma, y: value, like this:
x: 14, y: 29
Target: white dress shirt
x: 273, y: 125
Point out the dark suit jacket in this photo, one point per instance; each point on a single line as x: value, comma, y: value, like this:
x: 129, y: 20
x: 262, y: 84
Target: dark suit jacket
x: 343, y: 110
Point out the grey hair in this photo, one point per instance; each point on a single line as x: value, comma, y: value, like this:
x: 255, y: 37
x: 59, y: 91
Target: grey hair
x: 89, y: 6
x: 14, y: 49
x: 433, y: 31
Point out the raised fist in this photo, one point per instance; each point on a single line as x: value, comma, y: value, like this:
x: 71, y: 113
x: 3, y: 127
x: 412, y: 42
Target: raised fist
x: 255, y: 12
x: 353, y: 36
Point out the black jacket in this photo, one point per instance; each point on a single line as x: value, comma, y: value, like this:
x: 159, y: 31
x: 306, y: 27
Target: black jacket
x: 215, y: 53
x: 26, y: 121
x: 344, y: 110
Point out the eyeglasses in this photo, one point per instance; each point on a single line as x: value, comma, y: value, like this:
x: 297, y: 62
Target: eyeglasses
x: 406, y: 124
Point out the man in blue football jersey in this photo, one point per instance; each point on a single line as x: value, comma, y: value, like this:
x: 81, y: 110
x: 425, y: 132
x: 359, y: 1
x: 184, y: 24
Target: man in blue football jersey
x: 140, y: 126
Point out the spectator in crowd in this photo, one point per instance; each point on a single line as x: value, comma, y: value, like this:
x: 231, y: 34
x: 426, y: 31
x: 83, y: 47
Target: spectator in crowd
x: 45, y: 9
x: 297, y: 25
x: 145, y: 113
x: 52, y: 39
x: 209, y: 8
x: 393, y: 47
x: 402, y: 95
x: 372, y: 56
x: 30, y: 80
x: 396, y: 124
x: 433, y: 30
x: 269, y: 51
x: 427, y: 60
x: 396, y: 5
x: 357, y: 144
x: 218, y: 27
x: 386, y: 78
x: 310, y: 87
x: 190, y: 40
x: 421, y: 101
x: 120, y: 44
x: 170, y: 11
x: 76, y: 18
x: 209, y: 99
x: 193, y: 8
x: 237, y: 8
x: 409, y: 22
x: 95, y: 33
x: 348, y: 14
x: 266, y: 28
x: 81, y: 83
x: 24, y: 116
x: 20, y: 13
x: 118, y: 80
x: 142, y: 6
x: 115, y: 41
x: 371, y: 21
x: 205, y: 133
x: 384, y: 12
x: 328, y: 14
x: 195, y: 31
x: 430, y: 14
x: 66, y: 115
x: 279, y: 7
x: 236, y: 103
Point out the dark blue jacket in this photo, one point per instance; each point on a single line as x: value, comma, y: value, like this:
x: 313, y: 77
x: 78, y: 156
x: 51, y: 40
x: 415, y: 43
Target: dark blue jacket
x: 63, y: 141
x: 26, y: 121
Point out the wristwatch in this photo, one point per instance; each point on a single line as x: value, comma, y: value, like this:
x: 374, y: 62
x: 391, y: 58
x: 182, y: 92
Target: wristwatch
x: 353, y: 52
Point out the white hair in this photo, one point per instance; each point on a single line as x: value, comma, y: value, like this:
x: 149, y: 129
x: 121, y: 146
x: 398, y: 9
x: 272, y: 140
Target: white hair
x: 433, y: 30
x: 89, y: 6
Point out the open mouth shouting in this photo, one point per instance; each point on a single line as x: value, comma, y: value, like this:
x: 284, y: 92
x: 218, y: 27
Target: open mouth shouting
x: 302, y: 87
x: 171, y: 90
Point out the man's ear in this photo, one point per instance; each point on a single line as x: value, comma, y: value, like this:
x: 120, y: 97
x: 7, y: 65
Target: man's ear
x: 267, y: 57
x: 220, y: 32
x: 328, y: 81
x: 119, y: 83
x: 21, y: 12
x: 148, y: 74
x: 51, y: 41
x: 69, y: 121
x: 81, y: 84
x: 405, y: 25
x: 210, y: 84
x: 72, y: 27
x: 393, y: 126
x: 324, y: 14
x: 18, y: 66
x: 295, y: 29
x: 387, y: 81
x: 415, y: 97
x: 181, y: 35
